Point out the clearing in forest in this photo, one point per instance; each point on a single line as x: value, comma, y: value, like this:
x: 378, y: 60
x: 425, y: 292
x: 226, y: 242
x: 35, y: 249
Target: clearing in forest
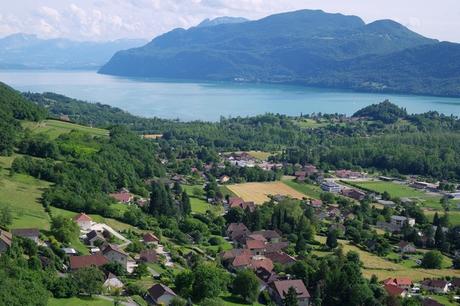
x: 259, y: 192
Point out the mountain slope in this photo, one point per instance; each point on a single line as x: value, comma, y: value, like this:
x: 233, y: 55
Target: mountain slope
x: 29, y: 51
x: 279, y: 46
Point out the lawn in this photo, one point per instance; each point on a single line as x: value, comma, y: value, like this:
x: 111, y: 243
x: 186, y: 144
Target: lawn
x: 394, y: 189
x: 309, y: 190
x: 55, y: 128
x: 22, y: 194
x: 79, y: 301
x: 261, y: 155
x: 259, y: 192
x: 382, y: 268
x: 230, y: 300
x: 443, y: 300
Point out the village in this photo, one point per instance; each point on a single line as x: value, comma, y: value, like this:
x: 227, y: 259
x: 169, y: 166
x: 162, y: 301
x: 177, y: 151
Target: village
x: 332, y: 197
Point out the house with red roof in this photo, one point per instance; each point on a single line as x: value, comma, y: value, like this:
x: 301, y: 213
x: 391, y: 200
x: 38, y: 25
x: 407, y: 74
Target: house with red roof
x: 83, y: 221
x: 279, y: 289
x: 150, y: 238
x: 401, y: 282
x: 122, y: 197
x: 86, y: 261
x: 256, y: 247
x: 395, y: 291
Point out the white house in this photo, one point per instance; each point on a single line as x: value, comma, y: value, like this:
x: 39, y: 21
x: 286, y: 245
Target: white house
x: 399, y: 221
x: 83, y: 221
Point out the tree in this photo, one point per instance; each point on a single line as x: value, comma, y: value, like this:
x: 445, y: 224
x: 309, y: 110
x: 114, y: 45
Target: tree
x: 141, y: 270
x: 432, y: 260
x: 6, y: 216
x: 331, y: 240
x: 439, y: 237
x: 209, y: 281
x: 290, y: 298
x: 115, y: 268
x: 89, y: 280
x: 183, y: 283
x: 246, y: 285
x: 186, y: 206
x: 64, y: 229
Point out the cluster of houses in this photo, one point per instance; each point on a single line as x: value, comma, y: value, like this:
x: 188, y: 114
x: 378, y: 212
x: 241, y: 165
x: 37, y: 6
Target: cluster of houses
x: 244, y: 159
x: 125, y: 197
x: 260, y: 251
x: 404, y: 287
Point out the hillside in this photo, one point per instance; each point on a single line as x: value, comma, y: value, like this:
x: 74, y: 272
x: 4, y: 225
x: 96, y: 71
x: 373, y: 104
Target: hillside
x: 304, y: 47
x: 20, y: 51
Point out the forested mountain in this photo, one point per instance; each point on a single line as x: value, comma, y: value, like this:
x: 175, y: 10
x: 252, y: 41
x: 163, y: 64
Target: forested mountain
x: 28, y: 51
x: 305, y: 47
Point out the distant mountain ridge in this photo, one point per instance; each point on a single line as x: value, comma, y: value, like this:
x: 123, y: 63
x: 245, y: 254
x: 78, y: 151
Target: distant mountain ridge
x: 308, y: 47
x: 28, y: 51
x: 221, y: 20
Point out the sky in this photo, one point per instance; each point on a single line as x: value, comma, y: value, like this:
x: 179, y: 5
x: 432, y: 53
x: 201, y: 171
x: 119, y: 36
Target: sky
x: 114, y: 19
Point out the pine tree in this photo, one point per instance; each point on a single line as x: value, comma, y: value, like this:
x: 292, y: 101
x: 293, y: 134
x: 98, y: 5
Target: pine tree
x: 436, y: 219
x: 186, y: 206
x: 331, y: 240
x: 439, y: 237
x: 290, y: 299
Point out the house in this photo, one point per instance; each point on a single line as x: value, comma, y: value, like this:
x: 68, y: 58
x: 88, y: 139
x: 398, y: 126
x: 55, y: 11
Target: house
x: 5, y: 240
x: 148, y: 256
x: 261, y: 262
x: 330, y: 186
x: 406, y: 247
x: 237, y: 230
x: 395, y: 291
x: 115, y: 254
x: 279, y: 288
x: 399, y: 221
x: 348, y: 174
x: 257, y: 247
x: 112, y: 283
x: 83, y: 221
x: 300, y: 176
x: 386, y: 203
x: 150, y: 239
x: 269, y: 235
x: 354, y: 194
x: 401, y: 282
x: 316, y: 203
x: 160, y: 294
x: 85, y: 261
x: 224, y: 179
x: 235, y: 202
x: 94, y: 238
x: 266, y: 277
x: 310, y: 169
x: 281, y: 258
x: 30, y: 233
x: 435, y: 285
x: 122, y: 197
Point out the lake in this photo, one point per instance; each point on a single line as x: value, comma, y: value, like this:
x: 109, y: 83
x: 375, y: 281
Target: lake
x: 210, y: 100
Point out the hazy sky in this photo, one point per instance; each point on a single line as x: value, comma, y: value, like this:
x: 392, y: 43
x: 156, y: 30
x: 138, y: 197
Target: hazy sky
x: 112, y: 19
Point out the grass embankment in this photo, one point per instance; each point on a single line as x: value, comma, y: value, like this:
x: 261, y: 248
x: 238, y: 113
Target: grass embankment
x: 383, y: 268
x: 22, y: 194
x: 79, y: 301
x: 55, y: 128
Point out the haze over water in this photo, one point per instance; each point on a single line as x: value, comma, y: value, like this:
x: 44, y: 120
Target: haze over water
x: 210, y: 100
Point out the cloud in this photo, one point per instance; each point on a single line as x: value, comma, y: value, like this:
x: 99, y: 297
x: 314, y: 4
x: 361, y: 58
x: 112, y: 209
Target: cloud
x: 113, y: 19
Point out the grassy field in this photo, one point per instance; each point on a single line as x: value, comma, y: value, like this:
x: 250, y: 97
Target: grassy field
x: 382, y: 268
x: 258, y: 192
x: 310, y: 123
x: 54, y: 128
x: 79, y: 301
x: 444, y: 300
x: 22, y: 194
x: 311, y: 191
x: 199, y: 205
x: 454, y: 216
x: 261, y: 155
x: 394, y: 189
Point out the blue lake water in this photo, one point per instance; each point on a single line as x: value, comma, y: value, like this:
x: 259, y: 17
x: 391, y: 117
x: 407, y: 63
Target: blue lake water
x: 210, y: 100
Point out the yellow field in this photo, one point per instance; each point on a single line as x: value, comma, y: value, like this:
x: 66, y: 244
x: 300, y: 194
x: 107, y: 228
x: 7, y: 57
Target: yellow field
x: 382, y: 268
x: 258, y: 192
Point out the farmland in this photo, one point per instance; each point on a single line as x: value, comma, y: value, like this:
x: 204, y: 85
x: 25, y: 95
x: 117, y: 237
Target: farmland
x: 22, y: 194
x: 394, y: 189
x: 79, y: 301
x: 259, y: 192
x: 55, y: 128
x: 309, y: 190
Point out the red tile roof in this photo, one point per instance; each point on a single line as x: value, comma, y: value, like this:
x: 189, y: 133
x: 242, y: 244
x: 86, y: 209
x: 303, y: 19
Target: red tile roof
x: 393, y: 290
x: 265, y: 263
x: 241, y: 260
x: 403, y: 281
x: 148, y: 255
x: 78, y: 262
x: 282, y: 288
x: 122, y: 197
x: 81, y: 217
x: 235, y: 201
x: 255, y: 244
x: 281, y: 258
x: 257, y: 237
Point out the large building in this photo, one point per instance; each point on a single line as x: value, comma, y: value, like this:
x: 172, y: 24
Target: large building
x: 330, y: 186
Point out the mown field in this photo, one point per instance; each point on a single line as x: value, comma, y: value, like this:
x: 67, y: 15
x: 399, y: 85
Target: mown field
x: 259, y: 192
x: 54, y: 128
x: 79, y: 301
x: 382, y: 268
x: 394, y: 189
x: 22, y: 194
x: 309, y: 190
x: 198, y: 202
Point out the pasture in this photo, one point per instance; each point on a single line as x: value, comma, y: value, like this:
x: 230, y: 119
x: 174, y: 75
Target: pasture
x: 22, y: 193
x: 382, y: 268
x: 79, y: 301
x: 394, y: 189
x: 55, y: 128
x: 309, y: 190
x: 259, y: 192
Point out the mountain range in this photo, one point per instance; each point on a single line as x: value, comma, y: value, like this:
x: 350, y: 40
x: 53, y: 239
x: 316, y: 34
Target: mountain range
x: 24, y: 51
x: 308, y: 47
